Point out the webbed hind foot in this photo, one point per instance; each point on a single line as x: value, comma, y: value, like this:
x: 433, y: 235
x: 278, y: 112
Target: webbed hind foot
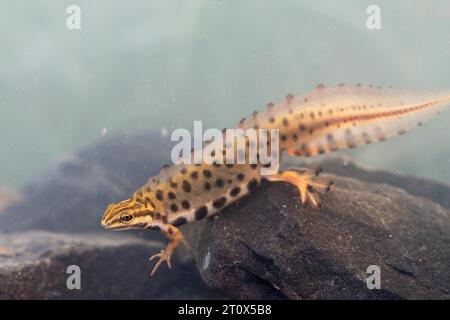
x: 308, y: 183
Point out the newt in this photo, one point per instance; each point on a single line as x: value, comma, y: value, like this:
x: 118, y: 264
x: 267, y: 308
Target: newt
x: 321, y: 121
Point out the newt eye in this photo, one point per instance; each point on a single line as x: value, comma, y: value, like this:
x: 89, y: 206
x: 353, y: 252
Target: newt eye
x: 126, y: 217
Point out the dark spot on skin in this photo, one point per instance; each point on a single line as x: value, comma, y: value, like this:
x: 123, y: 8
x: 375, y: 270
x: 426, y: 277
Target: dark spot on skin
x: 173, y: 185
x: 186, y: 186
x: 172, y: 195
x: 285, y: 122
x: 283, y: 137
x: 185, y: 204
x: 183, y: 171
x: 201, y: 213
x: 294, y: 137
x: 272, y: 120
x: 207, y: 186
x: 331, y: 142
x: 207, y: 173
x: 164, y: 219
x: 194, y: 175
x: 252, y: 184
x: 157, y: 215
x: 254, y: 165
x: 219, y: 203
x: 159, y: 195
x: 312, y: 115
x: 302, y: 127
x: 179, y: 221
x: 217, y: 165
x: 229, y: 181
x: 311, y: 131
x: 174, y: 207
x: 240, y: 176
x: 305, y: 150
x: 219, y: 183
x: 235, y: 191
x: 213, y: 153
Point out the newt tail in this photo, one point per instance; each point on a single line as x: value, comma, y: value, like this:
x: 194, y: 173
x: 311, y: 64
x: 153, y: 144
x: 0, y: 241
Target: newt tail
x: 321, y: 121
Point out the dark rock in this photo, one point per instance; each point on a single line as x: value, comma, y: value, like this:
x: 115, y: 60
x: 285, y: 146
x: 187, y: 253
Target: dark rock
x: 71, y: 195
x: 422, y: 187
x: 33, y: 265
x: 268, y: 246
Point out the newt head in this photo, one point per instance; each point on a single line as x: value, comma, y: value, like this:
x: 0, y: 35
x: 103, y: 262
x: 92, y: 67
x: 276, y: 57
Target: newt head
x: 127, y: 214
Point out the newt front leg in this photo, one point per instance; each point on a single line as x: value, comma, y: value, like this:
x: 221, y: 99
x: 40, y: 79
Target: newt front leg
x: 175, y: 236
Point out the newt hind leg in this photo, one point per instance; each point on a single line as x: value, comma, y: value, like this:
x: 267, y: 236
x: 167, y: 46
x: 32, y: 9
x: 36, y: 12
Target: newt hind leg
x: 307, y: 181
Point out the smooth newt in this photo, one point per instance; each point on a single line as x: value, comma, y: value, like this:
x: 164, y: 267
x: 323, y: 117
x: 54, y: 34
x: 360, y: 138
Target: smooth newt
x: 321, y: 121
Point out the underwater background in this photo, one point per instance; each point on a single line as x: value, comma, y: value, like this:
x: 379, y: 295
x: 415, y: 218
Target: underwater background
x: 86, y: 116
x: 160, y: 65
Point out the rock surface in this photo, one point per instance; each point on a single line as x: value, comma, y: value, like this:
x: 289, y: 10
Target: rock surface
x: 267, y: 246
x: 112, y: 267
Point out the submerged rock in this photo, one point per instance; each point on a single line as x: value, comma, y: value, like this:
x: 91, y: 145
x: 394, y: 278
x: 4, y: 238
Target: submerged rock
x: 33, y: 265
x: 71, y: 195
x: 265, y: 246
x: 268, y: 246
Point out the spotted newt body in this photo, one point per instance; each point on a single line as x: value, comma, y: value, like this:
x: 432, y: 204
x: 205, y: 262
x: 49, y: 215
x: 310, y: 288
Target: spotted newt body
x: 322, y: 121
